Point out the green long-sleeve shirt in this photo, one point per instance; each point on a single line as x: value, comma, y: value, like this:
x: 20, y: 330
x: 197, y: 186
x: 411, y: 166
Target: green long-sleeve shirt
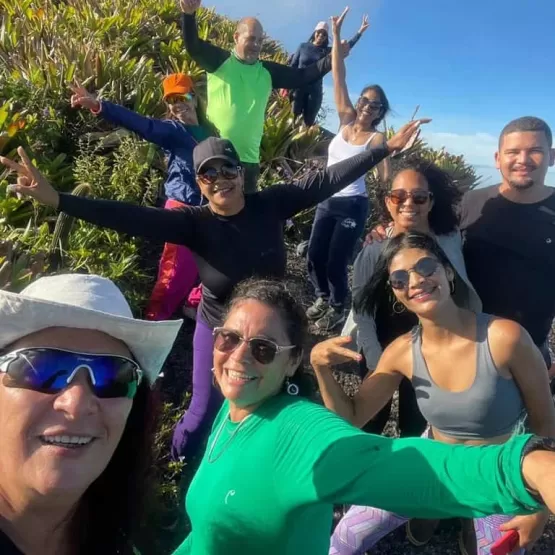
x: 272, y: 483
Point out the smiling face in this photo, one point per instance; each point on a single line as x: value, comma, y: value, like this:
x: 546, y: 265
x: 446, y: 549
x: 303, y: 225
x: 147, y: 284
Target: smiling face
x: 35, y: 425
x: 409, y: 214
x: 524, y: 158
x: 224, y: 195
x: 248, y: 40
x: 242, y: 380
x: 422, y: 295
x: 369, y: 108
x: 183, y: 108
x: 320, y: 37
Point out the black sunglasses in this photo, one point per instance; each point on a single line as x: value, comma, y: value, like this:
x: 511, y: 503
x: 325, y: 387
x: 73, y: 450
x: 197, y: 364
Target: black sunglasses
x: 49, y: 370
x: 425, y: 267
x: 227, y: 171
x: 363, y: 101
x: 418, y: 196
x: 263, y: 350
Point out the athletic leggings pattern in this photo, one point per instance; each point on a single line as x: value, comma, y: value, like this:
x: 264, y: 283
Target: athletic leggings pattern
x: 363, y: 527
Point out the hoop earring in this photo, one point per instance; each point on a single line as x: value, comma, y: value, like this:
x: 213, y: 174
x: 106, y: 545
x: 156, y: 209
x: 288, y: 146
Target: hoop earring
x: 452, y: 286
x: 292, y: 388
x: 398, y: 308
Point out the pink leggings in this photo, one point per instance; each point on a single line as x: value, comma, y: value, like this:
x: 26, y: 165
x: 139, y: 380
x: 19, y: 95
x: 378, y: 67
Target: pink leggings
x: 363, y: 527
x: 177, y: 275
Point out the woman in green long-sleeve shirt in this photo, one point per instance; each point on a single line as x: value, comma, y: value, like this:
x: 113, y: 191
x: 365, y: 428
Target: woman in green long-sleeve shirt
x: 275, y: 463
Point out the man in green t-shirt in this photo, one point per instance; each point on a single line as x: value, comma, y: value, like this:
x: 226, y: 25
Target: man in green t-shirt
x: 239, y: 84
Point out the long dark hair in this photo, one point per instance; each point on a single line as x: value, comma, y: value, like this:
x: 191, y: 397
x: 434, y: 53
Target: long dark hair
x: 443, y: 217
x: 276, y: 295
x: 369, y: 296
x: 386, y: 107
x: 109, y: 513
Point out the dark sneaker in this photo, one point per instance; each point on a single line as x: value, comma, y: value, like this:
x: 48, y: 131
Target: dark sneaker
x: 318, y: 309
x: 331, y: 319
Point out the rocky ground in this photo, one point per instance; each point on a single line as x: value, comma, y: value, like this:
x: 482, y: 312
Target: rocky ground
x: 177, y: 380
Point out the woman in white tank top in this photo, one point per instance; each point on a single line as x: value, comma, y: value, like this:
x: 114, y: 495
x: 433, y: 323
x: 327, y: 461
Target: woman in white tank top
x: 339, y: 221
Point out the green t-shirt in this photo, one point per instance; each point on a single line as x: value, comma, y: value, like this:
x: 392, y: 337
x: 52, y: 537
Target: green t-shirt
x: 273, y: 482
x: 237, y: 97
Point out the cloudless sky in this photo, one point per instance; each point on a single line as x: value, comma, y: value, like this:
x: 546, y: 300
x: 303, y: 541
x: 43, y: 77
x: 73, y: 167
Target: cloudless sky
x: 471, y: 65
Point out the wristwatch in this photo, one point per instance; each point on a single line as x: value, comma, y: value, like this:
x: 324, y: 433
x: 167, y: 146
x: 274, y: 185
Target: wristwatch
x: 536, y: 443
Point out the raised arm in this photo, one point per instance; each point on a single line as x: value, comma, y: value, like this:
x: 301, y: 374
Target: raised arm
x: 207, y: 55
x: 375, y: 391
x: 291, y: 77
x: 160, y: 132
x: 171, y: 226
x: 344, y: 106
x: 363, y: 28
x: 317, y: 186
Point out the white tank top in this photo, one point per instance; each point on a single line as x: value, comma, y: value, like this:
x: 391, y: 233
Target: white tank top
x: 340, y: 150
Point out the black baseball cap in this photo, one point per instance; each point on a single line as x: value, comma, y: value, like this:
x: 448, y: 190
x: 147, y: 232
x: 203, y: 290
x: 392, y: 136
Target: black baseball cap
x: 214, y: 149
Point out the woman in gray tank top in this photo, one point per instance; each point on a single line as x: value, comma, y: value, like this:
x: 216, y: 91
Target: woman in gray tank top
x: 474, y: 376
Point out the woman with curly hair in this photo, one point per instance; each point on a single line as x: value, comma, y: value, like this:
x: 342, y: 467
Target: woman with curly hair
x: 421, y: 197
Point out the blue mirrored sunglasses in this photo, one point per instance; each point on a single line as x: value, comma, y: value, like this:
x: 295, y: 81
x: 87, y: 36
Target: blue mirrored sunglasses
x: 50, y: 370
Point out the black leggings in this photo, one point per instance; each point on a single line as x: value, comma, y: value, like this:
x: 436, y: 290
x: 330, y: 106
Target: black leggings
x: 308, y: 103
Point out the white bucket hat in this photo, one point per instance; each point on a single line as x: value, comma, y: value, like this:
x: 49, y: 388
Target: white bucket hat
x: 86, y: 302
x: 322, y: 26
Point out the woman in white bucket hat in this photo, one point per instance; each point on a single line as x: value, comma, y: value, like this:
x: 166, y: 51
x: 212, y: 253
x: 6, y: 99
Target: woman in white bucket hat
x: 76, y: 415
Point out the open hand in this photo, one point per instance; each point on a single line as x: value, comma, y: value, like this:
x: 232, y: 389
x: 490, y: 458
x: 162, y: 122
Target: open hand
x: 337, y: 21
x: 82, y: 98
x: 30, y: 182
x: 333, y: 352
x: 364, y: 25
x: 406, y: 135
x: 189, y: 7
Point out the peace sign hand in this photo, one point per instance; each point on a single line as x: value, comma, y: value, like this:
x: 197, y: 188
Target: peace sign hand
x: 337, y: 21
x: 407, y: 135
x: 81, y: 98
x: 332, y: 352
x: 30, y: 182
x: 364, y: 25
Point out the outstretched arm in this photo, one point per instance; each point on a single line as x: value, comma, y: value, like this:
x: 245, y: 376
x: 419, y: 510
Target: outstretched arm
x: 171, y: 226
x: 161, y: 132
x: 290, y: 77
x: 208, y: 56
x: 319, y: 185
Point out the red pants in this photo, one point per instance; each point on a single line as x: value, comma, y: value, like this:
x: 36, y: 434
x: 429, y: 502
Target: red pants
x: 177, y: 276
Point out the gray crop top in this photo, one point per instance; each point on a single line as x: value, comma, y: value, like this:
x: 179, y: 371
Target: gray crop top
x: 492, y: 406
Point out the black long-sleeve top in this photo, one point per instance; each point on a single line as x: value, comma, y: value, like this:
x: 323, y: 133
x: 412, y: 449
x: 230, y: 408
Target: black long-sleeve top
x: 227, y: 249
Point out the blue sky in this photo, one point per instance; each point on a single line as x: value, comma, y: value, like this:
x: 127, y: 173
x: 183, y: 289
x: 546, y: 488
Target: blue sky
x: 472, y: 66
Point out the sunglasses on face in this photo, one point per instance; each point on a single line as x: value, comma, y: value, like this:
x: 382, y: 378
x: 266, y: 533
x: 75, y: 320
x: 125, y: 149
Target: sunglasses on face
x: 227, y: 171
x: 187, y: 97
x: 263, y: 350
x: 418, y: 196
x: 425, y: 267
x: 363, y: 101
x: 50, y: 371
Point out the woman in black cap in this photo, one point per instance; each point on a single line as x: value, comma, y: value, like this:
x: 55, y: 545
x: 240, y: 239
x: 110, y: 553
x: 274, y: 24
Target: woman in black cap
x: 234, y: 236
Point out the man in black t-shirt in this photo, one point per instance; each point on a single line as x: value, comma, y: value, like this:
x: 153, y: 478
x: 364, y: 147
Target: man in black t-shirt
x: 509, y: 232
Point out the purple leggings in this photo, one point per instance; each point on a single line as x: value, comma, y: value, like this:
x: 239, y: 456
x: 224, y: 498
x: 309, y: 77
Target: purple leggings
x: 363, y: 527
x: 194, y: 426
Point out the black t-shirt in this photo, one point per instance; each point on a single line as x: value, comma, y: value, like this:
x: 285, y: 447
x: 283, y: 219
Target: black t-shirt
x: 509, y: 251
x: 233, y: 248
x: 7, y: 547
